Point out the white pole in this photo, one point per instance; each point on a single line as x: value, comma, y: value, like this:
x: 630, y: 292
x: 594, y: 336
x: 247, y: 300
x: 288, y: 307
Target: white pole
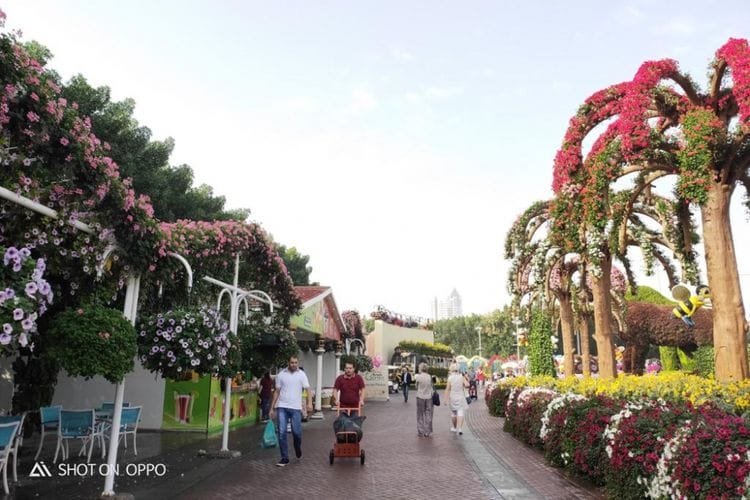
x: 129, y: 310
x: 234, y: 302
x: 479, y: 331
x: 39, y: 208
x: 319, y: 383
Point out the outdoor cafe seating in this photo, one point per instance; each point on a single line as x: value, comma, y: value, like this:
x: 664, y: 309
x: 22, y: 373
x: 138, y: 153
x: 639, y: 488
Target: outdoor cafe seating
x: 8, y: 445
x: 91, y: 426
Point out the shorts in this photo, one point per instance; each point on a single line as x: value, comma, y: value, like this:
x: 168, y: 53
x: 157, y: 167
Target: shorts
x: 458, y: 413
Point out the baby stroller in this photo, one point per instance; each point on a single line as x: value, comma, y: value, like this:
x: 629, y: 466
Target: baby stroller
x: 348, y: 432
x: 473, y: 389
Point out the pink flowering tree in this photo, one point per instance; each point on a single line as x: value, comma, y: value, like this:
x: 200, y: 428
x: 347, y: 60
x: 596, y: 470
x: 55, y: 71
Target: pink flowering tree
x: 211, y: 248
x: 49, y: 154
x: 353, y: 322
x: 661, y: 124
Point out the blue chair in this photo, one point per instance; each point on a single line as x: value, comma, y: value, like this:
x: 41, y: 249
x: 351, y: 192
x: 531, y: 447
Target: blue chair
x: 129, y: 419
x: 76, y: 424
x: 110, y: 406
x: 50, y: 420
x: 7, y: 439
x: 18, y: 441
x: 129, y: 425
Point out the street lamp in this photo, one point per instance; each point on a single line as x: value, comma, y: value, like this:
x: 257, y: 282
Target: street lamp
x: 479, y: 331
x: 237, y: 296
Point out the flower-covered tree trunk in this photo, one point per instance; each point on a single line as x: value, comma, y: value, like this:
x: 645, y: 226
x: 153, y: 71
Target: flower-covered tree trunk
x: 730, y: 335
x: 583, y: 329
x: 568, y: 325
x: 603, y: 319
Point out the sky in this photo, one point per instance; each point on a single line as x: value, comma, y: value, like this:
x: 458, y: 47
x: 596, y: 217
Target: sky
x: 393, y: 142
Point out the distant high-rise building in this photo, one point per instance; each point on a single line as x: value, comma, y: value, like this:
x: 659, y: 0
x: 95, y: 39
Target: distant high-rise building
x: 448, y: 308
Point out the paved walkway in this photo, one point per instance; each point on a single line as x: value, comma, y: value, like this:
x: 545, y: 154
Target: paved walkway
x: 483, y: 463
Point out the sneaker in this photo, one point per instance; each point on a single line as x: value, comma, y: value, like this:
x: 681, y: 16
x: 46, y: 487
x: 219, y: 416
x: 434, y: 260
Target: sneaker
x: 283, y: 462
x: 453, y: 429
x: 460, y: 433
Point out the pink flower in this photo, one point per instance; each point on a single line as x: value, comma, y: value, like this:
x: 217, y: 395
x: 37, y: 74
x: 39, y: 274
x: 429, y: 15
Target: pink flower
x: 33, y: 117
x: 64, y: 141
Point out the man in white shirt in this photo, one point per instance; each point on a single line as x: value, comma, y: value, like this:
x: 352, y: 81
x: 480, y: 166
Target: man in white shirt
x: 290, y: 383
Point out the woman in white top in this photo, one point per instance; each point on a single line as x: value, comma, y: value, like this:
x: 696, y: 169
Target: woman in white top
x: 424, y: 402
x: 454, y: 394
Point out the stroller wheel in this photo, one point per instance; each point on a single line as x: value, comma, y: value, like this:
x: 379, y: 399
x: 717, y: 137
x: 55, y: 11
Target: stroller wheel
x: 330, y: 458
x: 362, y: 457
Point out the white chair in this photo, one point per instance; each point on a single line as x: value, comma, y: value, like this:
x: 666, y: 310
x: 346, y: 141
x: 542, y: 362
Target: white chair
x: 7, y: 441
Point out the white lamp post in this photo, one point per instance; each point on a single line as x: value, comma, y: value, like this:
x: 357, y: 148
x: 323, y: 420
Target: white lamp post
x: 479, y: 331
x: 236, y: 297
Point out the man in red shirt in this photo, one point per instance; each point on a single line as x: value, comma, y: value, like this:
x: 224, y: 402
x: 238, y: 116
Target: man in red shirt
x: 350, y: 389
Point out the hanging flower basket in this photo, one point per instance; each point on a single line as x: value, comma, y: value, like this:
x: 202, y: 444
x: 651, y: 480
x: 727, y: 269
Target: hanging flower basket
x: 24, y: 296
x: 265, y: 347
x: 93, y: 340
x: 178, y: 341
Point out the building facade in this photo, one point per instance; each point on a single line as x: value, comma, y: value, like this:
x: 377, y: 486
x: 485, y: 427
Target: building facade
x: 448, y: 308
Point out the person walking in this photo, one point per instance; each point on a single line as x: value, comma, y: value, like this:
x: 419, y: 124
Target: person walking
x: 424, y: 402
x: 454, y: 394
x: 290, y: 383
x: 350, y: 389
x: 266, y: 393
x: 406, y: 379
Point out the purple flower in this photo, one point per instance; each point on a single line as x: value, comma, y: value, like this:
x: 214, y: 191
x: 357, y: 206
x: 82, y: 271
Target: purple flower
x: 31, y: 289
x: 27, y: 324
x: 7, y: 328
x: 18, y: 314
x: 16, y: 267
x: 44, y: 287
x: 10, y: 254
x: 22, y: 340
x: 40, y: 265
x: 10, y: 293
x: 5, y: 338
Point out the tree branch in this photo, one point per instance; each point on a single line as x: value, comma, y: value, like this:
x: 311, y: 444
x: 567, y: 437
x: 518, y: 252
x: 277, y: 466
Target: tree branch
x: 719, y: 67
x: 687, y: 86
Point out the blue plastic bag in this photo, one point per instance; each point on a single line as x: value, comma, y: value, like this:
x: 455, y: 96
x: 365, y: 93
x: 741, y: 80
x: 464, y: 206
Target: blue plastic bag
x: 269, y: 439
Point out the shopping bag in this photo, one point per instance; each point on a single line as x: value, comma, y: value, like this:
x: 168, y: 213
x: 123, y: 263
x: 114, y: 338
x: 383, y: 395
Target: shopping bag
x: 435, y: 398
x: 269, y: 439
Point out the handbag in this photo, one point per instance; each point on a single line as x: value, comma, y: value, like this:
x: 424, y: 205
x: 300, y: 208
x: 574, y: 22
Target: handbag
x: 435, y: 398
x: 269, y: 439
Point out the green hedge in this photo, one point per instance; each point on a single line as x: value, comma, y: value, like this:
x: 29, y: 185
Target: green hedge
x: 438, y: 371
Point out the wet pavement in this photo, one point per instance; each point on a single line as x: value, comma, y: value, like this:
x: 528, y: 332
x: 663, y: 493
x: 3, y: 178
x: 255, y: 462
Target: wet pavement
x: 483, y: 463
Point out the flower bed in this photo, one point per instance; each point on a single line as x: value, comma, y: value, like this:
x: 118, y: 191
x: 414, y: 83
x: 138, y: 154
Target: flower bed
x: 635, y: 444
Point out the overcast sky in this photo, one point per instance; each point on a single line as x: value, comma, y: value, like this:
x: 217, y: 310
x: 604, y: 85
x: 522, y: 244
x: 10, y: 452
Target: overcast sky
x: 392, y: 141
